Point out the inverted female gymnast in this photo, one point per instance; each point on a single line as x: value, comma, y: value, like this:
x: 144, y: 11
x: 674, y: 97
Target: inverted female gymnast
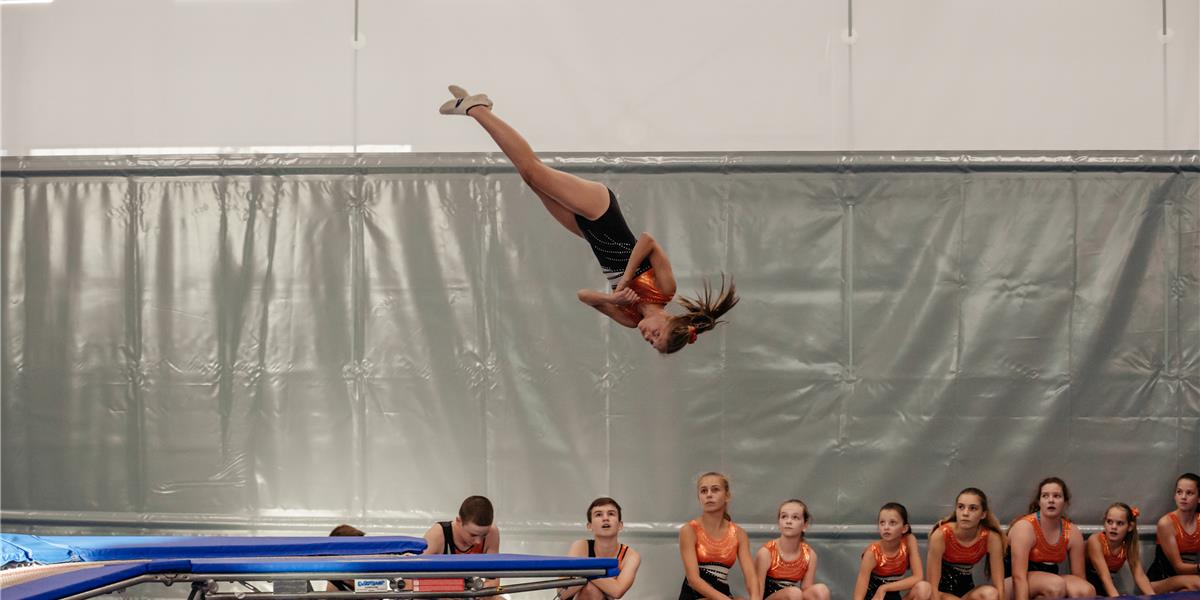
x: 637, y: 268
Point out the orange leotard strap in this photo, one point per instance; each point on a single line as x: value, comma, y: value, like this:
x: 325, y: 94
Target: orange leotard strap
x: 889, y: 566
x: 782, y: 570
x: 647, y: 290
x: 959, y: 554
x: 1111, y: 559
x: 1187, y: 543
x: 1043, y: 551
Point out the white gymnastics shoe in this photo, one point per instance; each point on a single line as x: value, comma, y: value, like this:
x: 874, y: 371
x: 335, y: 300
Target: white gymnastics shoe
x: 463, y: 102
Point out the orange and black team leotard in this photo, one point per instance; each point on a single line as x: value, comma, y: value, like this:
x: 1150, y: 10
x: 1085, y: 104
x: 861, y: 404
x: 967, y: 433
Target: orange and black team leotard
x: 648, y: 293
x: 783, y: 573
x: 620, y: 553
x: 887, y: 569
x: 958, y: 560
x: 715, y: 558
x: 612, y: 242
x: 1044, y: 556
x: 1114, y: 560
x: 450, y: 548
x: 1189, y: 550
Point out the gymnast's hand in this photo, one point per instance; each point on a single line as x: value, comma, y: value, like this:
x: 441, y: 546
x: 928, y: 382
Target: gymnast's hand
x: 624, y: 296
x: 623, y: 283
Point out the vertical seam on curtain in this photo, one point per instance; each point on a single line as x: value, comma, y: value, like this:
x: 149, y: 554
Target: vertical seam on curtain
x: 358, y: 333
x: 849, y: 286
x: 224, y: 385
x: 1172, y: 256
x: 724, y: 466
x: 844, y: 196
x: 1070, y: 420
x: 963, y: 190
x: 486, y: 361
x: 133, y: 331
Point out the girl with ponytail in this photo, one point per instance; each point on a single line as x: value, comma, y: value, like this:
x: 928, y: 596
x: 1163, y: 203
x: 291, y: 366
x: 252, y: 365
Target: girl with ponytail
x: 958, y: 542
x: 1114, y: 546
x: 710, y: 544
x: 637, y: 268
x: 703, y: 314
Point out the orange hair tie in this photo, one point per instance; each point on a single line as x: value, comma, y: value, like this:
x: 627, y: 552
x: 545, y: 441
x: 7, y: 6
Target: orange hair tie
x: 1135, y: 511
x: 691, y: 334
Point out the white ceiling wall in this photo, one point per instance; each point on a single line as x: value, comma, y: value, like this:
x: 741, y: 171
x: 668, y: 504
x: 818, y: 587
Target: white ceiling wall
x: 622, y: 75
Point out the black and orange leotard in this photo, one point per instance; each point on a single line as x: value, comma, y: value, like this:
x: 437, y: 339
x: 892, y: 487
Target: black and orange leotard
x: 714, y: 557
x: 612, y: 243
x: 1044, y: 556
x: 647, y: 292
x: 1043, y: 551
x: 1112, y: 560
x: 1189, y: 550
x: 783, y: 573
x: 958, y: 560
x: 611, y: 240
x: 887, y: 568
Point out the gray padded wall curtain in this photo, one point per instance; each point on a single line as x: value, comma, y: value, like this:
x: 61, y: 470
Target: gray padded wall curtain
x: 286, y: 343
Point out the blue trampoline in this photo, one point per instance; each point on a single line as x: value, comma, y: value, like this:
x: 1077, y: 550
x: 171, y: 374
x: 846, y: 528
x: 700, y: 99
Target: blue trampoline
x: 379, y: 567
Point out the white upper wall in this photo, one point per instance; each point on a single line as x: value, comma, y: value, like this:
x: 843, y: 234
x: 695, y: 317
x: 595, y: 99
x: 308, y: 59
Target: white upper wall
x: 620, y: 75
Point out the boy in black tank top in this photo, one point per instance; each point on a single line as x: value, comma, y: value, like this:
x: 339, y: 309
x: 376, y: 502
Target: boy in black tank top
x: 471, y: 532
x: 604, y: 521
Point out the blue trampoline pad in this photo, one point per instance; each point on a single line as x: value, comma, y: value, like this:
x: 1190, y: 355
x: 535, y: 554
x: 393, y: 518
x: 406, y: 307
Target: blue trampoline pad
x: 89, y: 578
x: 23, y: 548
x: 56, y: 549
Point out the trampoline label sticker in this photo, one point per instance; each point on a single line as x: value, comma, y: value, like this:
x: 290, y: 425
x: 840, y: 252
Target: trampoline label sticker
x: 371, y: 585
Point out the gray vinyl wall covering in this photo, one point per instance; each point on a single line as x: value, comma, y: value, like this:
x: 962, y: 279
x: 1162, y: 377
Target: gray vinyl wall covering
x: 283, y: 343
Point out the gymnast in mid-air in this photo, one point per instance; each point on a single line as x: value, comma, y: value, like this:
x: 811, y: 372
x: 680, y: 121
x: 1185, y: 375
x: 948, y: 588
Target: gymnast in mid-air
x: 637, y: 268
